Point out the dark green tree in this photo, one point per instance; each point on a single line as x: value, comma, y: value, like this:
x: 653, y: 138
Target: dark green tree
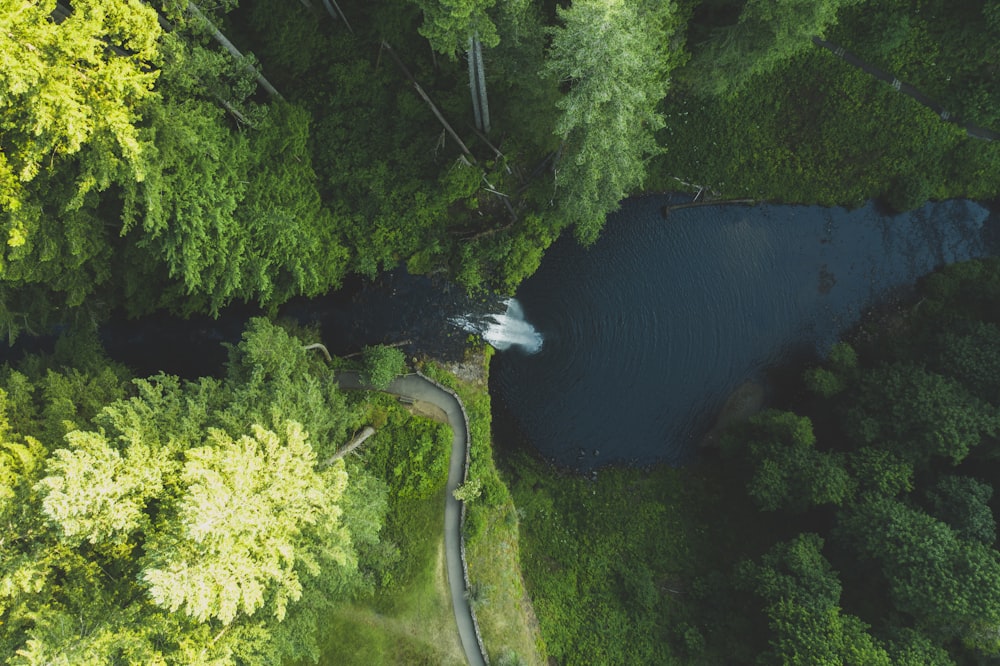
x: 801, y: 597
x: 964, y: 504
x: 786, y: 470
x: 918, y: 414
x: 949, y: 585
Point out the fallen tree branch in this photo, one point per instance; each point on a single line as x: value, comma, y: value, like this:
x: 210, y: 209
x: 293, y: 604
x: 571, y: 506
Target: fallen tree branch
x: 355, y: 442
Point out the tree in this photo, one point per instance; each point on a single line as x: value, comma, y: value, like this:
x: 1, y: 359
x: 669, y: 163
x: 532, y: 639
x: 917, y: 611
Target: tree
x: 177, y: 522
x: 235, y: 541
x: 766, y: 34
x: 951, y: 586
x: 71, y: 85
x: 448, y: 24
x: 917, y: 414
x: 610, y: 57
x: 841, y: 369
x: 786, y: 469
x: 382, y: 364
x: 801, y: 597
x: 881, y: 472
x: 972, y: 356
x: 72, y: 97
x: 963, y: 504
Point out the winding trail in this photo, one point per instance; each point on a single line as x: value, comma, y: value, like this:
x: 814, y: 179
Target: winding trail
x: 905, y: 88
x: 418, y: 387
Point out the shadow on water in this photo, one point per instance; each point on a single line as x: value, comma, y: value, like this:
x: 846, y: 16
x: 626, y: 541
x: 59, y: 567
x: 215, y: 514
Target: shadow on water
x: 409, y: 311
x: 648, y: 332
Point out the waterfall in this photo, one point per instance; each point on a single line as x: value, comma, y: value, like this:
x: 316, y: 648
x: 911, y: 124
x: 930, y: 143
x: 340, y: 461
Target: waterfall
x: 503, y: 330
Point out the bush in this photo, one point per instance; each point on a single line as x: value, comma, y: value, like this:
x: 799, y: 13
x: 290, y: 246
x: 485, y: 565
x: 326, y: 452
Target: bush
x: 381, y: 365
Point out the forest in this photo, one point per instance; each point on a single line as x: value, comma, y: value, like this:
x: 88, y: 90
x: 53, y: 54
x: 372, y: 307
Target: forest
x: 177, y: 156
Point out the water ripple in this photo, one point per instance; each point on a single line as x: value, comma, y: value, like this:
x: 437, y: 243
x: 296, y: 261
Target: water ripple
x: 648, y: 331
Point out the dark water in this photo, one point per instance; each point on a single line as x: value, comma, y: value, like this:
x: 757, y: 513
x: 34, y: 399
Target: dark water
x: 649, y: 331
x: 409, y: 311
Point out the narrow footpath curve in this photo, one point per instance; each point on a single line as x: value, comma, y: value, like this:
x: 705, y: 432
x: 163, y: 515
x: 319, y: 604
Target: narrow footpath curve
x: 418, y: 387
x: 906, y: 89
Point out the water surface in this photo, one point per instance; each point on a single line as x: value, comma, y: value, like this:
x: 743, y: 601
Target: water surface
x: 648, y: 332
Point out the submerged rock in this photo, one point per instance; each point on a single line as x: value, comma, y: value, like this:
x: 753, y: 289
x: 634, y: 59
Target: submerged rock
x: 744, y: 402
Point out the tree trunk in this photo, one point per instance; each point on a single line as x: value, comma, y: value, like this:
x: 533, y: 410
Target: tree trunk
x: 357, y: 441
x: 473, y: 90
x: 433, y: 107
x: 481, y: 75
x: 228, y: 45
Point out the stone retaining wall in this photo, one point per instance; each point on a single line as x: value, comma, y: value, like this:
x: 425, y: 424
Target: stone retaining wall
x: 465, y: 478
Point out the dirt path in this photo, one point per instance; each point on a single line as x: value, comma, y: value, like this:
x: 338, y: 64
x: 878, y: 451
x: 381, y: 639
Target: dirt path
x: 420, y: 389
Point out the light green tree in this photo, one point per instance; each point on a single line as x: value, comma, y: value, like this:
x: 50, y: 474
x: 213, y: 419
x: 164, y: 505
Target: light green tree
x: 187, y: 523
x: 612, y: 58
x: 236, y: 544
x: 382, y: 364
x: 70, y: 85
x: 72, y: 92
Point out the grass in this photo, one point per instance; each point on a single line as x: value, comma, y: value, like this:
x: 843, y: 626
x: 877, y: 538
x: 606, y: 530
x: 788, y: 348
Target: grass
x: 615, y: 566
x: 506, y: 617
x: 412, y: 624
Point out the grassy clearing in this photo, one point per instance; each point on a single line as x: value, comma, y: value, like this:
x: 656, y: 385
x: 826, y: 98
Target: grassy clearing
x: 613, y: 565
x: 506, y: 618
x: 412, y: 624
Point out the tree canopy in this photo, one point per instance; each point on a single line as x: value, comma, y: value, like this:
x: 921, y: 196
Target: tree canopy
x: 189, y: 518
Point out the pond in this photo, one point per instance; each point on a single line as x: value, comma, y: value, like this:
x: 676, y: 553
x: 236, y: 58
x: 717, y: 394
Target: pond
x: 648, y: 332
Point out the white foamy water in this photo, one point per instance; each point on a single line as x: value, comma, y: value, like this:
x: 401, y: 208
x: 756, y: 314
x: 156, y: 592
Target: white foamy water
x: 504, y: 330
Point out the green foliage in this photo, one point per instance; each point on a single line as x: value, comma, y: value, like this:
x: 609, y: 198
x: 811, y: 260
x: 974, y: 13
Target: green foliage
x: 931, y: 45
x: 909, y: 192
x: 601, y: 561
x: 468, y: 491
x: 411, y: 455
x: 382, y: 364
x: 174, y: 520
x: 788, y: 472
x: 781, y: 137
x: 917, y: 414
